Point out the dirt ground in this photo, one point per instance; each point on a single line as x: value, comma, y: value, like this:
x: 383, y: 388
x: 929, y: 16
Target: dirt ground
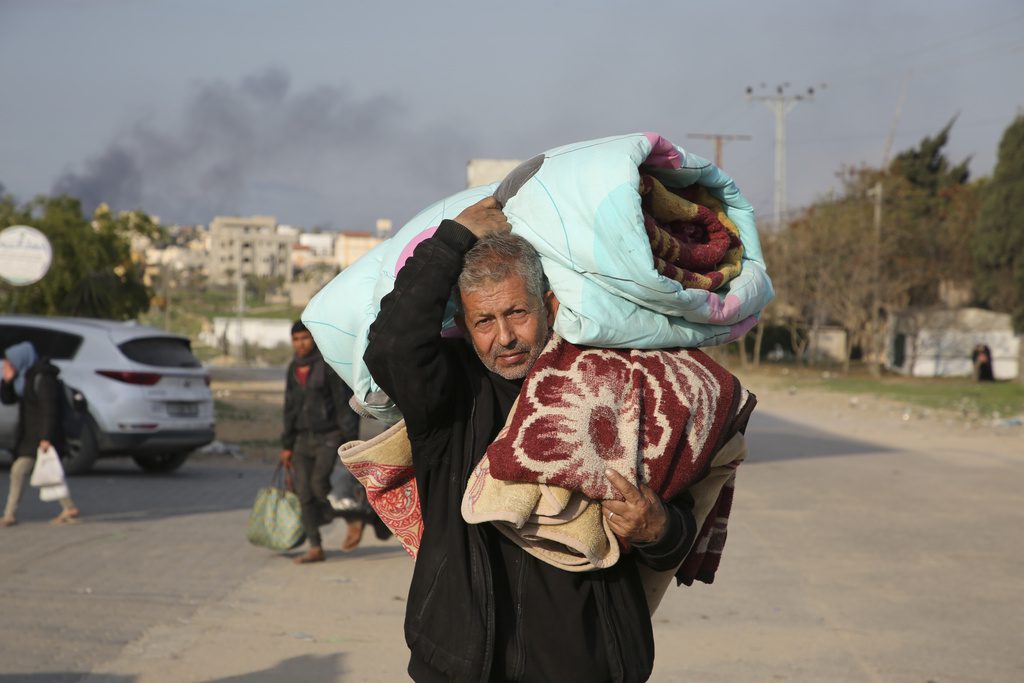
x: 898, y: 424
x: 249, y: 416
x: 870, y: 541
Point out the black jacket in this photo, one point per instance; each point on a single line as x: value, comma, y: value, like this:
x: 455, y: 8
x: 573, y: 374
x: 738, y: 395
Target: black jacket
x: 480, y: 608
x: 38, y: 408
x: 321, y: 406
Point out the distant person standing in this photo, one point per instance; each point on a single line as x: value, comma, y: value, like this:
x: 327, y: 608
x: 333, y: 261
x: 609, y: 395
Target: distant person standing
x: 31, y: 382
x: 982, y: 359
x: 317, y: 419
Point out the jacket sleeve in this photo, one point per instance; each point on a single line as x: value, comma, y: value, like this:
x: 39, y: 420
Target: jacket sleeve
x: 347, y: 419
x: 290, y: 411
x: 671, y: 549
x: 405, y: 354
x: 7, y: 394
x: 47, y: 393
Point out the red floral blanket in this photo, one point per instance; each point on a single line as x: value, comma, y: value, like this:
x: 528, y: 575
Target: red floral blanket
x: 660, y: 417
x: 656, y: 416
x: 668, y: 417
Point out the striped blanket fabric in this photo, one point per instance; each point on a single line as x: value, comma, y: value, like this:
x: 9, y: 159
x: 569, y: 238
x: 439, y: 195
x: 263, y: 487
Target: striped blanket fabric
x: 692, y: 238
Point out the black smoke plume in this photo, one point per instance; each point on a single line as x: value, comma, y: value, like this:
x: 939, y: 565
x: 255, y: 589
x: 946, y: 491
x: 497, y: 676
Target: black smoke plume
x: 314, y: 156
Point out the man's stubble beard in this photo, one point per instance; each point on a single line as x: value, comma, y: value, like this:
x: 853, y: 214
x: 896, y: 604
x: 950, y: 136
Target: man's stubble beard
x: 520, y: 371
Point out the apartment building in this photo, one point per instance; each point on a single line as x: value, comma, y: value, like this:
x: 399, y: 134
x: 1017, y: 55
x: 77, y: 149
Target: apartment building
x: 349, y: 246
x: 250, y: 245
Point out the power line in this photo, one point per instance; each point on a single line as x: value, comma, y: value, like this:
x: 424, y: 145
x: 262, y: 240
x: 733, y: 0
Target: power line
x: 870, y: 68
x: 959, y: 38
x: 720, y: 139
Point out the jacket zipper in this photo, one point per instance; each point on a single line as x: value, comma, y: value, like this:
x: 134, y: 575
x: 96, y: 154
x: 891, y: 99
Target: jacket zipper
x: 519, y: 651
x: 477, y: 565
x: 615, y: 650
x: 430, y: 591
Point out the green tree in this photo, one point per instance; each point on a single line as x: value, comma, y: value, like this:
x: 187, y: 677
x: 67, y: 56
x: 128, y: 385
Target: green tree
x: 999, y: 244
x: 92, y: 274
x: 829, y: 267
x: 926, y: 166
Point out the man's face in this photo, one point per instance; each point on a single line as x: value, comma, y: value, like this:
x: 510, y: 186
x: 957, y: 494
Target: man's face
x: 507, y: 326
x: 302, y: 344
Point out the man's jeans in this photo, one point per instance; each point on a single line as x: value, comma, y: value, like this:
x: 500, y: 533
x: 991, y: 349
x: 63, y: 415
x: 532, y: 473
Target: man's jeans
x: 313, y: 461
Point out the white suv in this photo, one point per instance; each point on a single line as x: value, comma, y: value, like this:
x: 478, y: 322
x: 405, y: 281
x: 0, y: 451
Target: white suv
x: 130, y: 390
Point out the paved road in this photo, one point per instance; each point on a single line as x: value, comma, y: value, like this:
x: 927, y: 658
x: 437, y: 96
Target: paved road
x: 849, y: 559
x: 151, y: 549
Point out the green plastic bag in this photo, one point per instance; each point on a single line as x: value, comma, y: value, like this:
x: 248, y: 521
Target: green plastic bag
x: 276, y: 518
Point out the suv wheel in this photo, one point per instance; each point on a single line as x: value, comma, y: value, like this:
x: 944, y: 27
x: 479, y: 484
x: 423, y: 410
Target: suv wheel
x: 81, y: 452
x: 167, y: 462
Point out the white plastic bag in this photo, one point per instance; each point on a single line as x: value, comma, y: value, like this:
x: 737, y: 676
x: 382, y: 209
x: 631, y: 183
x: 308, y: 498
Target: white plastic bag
x: 55, y: 492
x: 48, y: 470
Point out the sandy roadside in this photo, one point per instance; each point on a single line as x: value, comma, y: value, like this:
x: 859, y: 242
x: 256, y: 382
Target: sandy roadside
x: 773, y: 615
x: 891, y: 423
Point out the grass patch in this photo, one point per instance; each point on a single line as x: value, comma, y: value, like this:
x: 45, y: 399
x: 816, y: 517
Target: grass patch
x: 286, y: 312
x: 226, y: 410
x: 205, y: 353
x: 989, y: 399
x: 963, y: 395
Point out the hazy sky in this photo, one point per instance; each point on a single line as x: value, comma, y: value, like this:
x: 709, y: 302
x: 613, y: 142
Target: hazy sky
x: 336, y: 113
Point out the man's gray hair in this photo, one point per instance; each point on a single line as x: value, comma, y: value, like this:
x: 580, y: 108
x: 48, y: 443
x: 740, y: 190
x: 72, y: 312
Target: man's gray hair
x: 496, y: 257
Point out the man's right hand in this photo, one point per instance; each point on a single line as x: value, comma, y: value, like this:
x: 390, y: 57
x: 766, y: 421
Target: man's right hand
x: 286, y: 457
x: 484, y: 217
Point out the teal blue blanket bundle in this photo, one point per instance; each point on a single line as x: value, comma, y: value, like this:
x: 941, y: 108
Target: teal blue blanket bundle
x: 580, y: 207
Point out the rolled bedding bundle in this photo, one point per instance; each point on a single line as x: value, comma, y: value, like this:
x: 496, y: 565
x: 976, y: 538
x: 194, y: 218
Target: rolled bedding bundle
x: 647, y: 246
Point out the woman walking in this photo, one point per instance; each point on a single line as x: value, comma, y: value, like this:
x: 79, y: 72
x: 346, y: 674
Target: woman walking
x: 31, y: 382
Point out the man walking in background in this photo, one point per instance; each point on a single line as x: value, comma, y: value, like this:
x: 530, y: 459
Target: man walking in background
x: 317, y: 419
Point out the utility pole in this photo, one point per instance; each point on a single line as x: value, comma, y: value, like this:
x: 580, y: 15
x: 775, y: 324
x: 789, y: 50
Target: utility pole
x: 780, y: 104
x: 876, y: 193
x: 165, y: 273
x: 720, y: 139
x: 874, y: 362
x: 240, y: 306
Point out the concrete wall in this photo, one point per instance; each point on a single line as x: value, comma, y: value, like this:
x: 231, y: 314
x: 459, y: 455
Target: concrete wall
x: 938, y: 343
x: 264, y: 333
x: 827, y: 344
x: 947, y: 353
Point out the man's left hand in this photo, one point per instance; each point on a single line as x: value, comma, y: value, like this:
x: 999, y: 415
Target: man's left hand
x: 641, y: 517
x: 484, y: 217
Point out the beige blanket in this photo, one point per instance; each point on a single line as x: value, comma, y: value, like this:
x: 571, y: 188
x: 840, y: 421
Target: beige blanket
x: 560, y: 527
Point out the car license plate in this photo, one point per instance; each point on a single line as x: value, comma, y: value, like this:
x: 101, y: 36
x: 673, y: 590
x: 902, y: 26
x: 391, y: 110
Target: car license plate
x: 183, y: 409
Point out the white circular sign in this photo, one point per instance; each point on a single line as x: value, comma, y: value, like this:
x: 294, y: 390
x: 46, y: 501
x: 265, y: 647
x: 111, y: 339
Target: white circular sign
x: 25, y: 255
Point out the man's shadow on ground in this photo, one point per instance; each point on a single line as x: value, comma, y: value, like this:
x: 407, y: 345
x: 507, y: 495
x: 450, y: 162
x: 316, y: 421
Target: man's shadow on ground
x: 773, y: 439
x: 302, y: 668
